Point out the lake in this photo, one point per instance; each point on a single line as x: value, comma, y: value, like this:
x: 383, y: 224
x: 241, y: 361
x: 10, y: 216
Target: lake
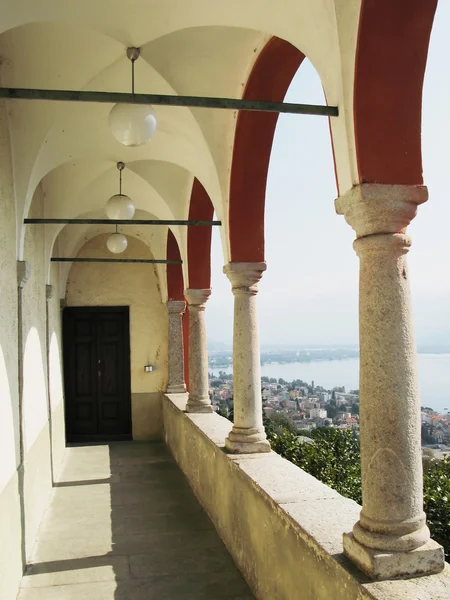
x: 434, y: 376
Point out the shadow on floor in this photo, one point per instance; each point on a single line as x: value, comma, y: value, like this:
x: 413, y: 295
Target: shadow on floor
x: 125, y: 525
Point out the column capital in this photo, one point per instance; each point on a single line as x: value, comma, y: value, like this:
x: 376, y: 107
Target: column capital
x: 372, y: 208
x: 23, y: 273
x: 245, y: 276
x: 176, y: 306
x: 196, y: 297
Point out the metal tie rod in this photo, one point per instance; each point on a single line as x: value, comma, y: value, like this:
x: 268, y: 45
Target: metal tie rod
x: 190, y: 223
x: 165, y: 100
x: 158, y: 261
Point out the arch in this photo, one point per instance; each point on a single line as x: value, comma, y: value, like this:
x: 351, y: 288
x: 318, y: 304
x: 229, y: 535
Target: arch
x: 68, y: 240
x: 390, y: 64
x: 269, y: 80
x: 199, y: 238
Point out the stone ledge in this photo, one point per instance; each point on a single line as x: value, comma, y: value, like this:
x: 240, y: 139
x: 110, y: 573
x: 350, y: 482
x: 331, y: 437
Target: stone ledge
x: 282, y: 526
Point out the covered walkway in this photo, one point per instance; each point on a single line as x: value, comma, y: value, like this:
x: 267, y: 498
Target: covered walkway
x: 123, y: 524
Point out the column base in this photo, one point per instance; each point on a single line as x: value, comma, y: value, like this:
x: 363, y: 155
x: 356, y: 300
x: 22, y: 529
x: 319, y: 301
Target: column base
x: 199, y: 405
x: 246, y: 441
x: 379, y: 565
x: 176, y: 389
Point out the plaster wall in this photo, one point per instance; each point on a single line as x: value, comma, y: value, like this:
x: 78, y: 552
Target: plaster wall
x: 282, y: 526
x: 25, y: 481
x: 10, y: 524
x: 136, y: 286
x: 40, y: 377
x: 34, y: 332
x: 11, y: 530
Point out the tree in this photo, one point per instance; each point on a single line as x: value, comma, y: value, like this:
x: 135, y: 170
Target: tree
x: 355, y: 408
x: 227, y: 411
x: 331, y: 409
x: 279, y: 423
x: 222, y: 409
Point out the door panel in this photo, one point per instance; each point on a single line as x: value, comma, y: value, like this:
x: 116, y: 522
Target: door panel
x: 111, y: 408
x: 97, y: 373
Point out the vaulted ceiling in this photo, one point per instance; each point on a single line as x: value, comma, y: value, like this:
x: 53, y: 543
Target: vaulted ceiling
x: 188, y: 47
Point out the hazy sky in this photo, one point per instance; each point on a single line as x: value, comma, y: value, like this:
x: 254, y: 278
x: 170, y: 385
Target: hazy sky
x: 312, y: 298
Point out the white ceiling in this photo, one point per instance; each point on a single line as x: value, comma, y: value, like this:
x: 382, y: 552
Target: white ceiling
x: 193, y: 47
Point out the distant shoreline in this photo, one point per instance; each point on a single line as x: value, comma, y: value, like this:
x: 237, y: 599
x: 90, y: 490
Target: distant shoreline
x: 301, y: 357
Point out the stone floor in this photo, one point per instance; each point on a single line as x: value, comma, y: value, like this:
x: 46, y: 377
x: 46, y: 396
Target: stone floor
x: 123, y: 524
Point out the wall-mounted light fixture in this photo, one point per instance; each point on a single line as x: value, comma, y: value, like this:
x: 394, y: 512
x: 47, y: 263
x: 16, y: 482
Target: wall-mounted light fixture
x: 148, y: 368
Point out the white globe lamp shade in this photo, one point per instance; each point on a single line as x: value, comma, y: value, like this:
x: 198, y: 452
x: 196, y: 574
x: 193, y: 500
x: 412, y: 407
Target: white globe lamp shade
x: 117, y: 243
x: 120, y: 206
x: 132, y: 124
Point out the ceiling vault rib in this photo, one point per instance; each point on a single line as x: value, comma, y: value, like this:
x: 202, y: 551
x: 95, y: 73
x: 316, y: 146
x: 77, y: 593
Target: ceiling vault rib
x: 159, y: 261
x: 166, y: 100
x: 190, y: 223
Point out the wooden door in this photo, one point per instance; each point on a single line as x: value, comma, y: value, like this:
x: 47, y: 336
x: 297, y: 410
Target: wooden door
x: 96, y: 344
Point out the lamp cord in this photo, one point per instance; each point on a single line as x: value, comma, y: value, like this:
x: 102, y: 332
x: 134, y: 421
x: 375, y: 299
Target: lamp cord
x: 120, y: 182
x: 132, y: 77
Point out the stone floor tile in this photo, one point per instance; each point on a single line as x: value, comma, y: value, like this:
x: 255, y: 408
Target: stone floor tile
x: 88, y: 570
x: 123, y: 524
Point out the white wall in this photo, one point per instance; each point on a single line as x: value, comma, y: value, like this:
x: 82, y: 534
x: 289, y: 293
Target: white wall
x: 39, y: 460
x: 10, y: 553
x: 25, y: 482
x: 136, y: 286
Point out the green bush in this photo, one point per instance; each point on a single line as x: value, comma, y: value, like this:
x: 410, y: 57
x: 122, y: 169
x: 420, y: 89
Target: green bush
x: 334, y: 459
x: 436, y: 496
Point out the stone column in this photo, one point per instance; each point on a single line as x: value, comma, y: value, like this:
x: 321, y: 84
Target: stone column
x: 248, y: 433
x: 391, y: 538
x: 176, y: 384
x: 199, y: 400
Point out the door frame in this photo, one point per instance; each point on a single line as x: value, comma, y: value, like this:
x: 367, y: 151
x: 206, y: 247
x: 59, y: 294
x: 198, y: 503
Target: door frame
x: 127, y: 373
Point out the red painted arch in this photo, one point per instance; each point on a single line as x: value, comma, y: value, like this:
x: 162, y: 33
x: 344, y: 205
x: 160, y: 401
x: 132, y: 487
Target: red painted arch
x: 199, y: 238
x: 175, y: 291
x: 391, y: 56
x: 269, y: 79
x: 175, y: 286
